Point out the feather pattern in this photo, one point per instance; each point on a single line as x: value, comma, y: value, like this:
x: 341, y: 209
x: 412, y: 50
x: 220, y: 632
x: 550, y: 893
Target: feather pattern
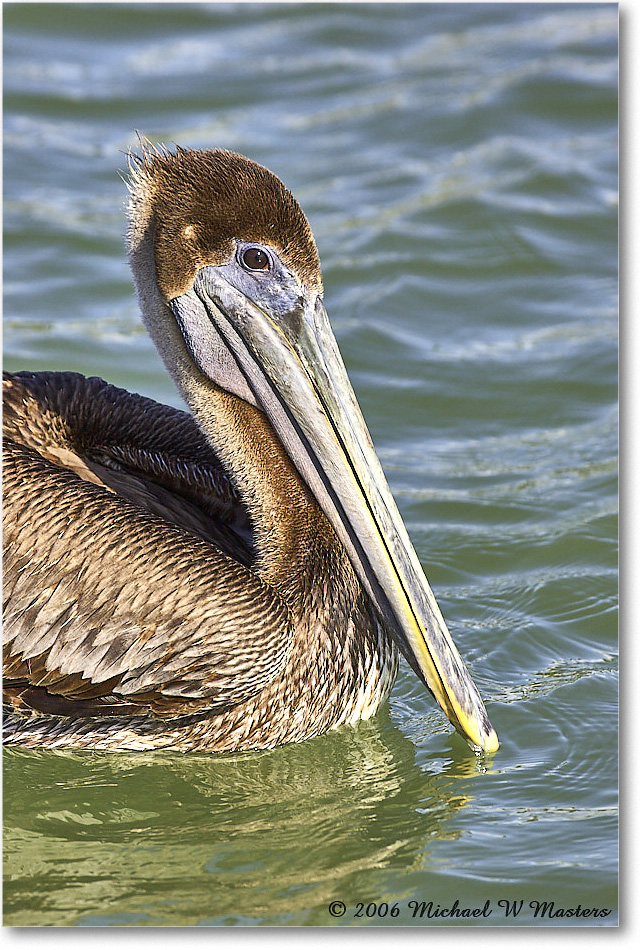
x: 200, y: 581
x: 123, y: 610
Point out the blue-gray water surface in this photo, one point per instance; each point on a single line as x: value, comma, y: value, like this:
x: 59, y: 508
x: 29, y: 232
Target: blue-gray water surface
x: 458, y: 164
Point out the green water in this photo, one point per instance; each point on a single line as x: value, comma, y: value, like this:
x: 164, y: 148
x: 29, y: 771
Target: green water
x: 458, y: 164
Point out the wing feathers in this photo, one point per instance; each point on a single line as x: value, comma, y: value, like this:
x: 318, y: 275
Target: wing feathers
x: 133, y: 611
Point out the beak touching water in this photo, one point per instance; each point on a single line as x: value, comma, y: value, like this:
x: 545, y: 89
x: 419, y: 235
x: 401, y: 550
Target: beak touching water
x: 286, y: 362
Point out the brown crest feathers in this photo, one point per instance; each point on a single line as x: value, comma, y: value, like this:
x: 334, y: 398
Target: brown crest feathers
x: 199, y: 201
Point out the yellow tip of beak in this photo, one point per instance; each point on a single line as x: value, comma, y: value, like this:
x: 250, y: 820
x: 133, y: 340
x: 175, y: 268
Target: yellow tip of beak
x: 473, y: 724
x: 480, y: 737
x: 490, y: 743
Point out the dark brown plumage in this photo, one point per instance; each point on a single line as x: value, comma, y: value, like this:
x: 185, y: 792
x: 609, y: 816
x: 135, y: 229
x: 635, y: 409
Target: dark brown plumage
x: 145, y: 632
x: 228, y: 580
x: 197, y: 214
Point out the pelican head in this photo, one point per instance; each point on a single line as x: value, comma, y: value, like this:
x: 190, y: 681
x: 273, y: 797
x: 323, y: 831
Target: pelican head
x: 230, y: 288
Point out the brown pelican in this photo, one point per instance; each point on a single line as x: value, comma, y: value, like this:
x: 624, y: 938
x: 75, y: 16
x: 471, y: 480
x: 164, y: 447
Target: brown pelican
x: 231, y: 579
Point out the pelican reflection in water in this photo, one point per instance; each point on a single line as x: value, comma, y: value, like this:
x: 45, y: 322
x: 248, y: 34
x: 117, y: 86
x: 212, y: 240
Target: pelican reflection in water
x: 230, y: 579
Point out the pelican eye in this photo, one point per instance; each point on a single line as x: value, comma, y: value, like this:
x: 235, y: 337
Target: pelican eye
x: 255, y: 258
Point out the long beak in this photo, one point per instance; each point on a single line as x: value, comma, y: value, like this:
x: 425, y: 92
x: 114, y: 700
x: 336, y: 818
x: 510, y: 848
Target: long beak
x: 291, y: 366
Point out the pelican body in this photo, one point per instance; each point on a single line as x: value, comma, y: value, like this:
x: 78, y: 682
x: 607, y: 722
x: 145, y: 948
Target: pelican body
x: 227, y: 579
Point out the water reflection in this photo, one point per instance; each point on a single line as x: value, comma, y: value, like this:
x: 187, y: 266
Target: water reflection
x: 184, y: 839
